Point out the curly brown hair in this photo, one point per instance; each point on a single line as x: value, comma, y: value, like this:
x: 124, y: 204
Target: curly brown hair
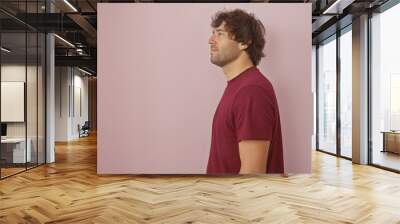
x: 244, y: 28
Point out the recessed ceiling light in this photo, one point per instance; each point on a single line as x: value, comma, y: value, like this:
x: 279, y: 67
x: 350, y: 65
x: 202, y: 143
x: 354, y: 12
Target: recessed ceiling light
x: 86, y: 72
x: 64, y: 40
x: 338, y: 6
x: 5, y: 49
x: 70, y: 5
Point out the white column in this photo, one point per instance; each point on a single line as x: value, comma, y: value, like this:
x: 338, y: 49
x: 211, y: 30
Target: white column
x: 50, y: 91
x: 360, y: 90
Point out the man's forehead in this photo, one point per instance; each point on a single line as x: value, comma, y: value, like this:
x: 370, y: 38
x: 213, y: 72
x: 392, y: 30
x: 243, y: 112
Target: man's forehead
x: 221, y: 27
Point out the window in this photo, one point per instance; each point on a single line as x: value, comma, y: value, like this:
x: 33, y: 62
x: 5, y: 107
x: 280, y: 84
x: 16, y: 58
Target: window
x: 327, y: 95
x: 346, y: 75
x: 385, y: 88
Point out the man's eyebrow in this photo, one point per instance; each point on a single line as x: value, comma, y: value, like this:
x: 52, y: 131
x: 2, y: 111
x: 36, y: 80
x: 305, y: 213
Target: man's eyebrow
x: 219, y: 30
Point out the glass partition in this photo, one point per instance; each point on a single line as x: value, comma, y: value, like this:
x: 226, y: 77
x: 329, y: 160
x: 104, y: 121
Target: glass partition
x: 13, y: 109
x: 31, y: 100
x: 41, y: 86
x: 22, y: 77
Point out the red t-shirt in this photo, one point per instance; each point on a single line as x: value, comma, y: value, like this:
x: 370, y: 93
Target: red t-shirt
x: 248, y: 110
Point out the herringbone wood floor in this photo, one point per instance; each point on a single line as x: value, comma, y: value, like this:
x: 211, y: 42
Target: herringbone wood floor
x: 70, y: 191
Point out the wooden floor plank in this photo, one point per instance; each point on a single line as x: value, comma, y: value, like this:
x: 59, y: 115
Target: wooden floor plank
x: 70, y: 191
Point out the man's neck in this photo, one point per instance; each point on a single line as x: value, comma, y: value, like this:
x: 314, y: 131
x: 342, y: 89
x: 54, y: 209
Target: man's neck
x: 235, y: 68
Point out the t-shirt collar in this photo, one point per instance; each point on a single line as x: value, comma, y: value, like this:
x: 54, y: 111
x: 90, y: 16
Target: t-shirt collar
x: 242, y: 74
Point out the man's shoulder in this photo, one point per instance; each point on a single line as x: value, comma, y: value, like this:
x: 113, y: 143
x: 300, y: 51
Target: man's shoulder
x: 255, y: 84
x: 251, y: 87
x: 257, y: 89
x: 260, y: 86
x: 251, y: 91
x: 258, y: 79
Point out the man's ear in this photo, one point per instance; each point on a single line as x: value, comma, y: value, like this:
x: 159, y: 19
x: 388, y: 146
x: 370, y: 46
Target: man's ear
x: 244, y: 46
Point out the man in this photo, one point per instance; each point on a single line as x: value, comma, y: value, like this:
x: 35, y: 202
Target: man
x: 246, y: 130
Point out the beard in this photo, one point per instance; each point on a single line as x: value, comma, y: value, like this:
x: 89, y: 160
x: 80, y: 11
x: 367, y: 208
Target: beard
x: 221, y: 59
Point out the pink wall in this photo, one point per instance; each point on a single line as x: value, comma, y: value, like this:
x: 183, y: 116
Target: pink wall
x: 157, y: 90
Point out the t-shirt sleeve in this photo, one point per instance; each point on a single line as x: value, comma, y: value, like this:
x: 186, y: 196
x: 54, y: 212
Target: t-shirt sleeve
x: 253, y: 114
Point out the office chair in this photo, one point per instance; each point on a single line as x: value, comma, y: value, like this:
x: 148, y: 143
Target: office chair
x: 84, y: 130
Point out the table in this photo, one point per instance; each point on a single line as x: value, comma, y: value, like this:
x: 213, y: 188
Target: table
x: 13, y: 150
x: 391, y: 141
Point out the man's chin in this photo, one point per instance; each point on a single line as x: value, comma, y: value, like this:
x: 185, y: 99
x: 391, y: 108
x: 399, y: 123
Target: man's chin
x: 217, y: 63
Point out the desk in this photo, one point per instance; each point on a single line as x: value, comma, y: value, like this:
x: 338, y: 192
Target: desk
x: 391, y: 141
x: 13, y: 150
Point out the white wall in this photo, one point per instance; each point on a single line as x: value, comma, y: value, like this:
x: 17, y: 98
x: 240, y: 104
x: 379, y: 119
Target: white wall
x: 62, y: 80
x: 69, y: 84
x: 12, y: 73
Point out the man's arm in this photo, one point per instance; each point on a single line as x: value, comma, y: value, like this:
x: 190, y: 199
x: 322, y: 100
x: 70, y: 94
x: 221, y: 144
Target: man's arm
x: 253, y: 156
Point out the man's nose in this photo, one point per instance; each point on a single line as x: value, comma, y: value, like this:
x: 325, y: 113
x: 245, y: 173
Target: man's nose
x: 211, y: 40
